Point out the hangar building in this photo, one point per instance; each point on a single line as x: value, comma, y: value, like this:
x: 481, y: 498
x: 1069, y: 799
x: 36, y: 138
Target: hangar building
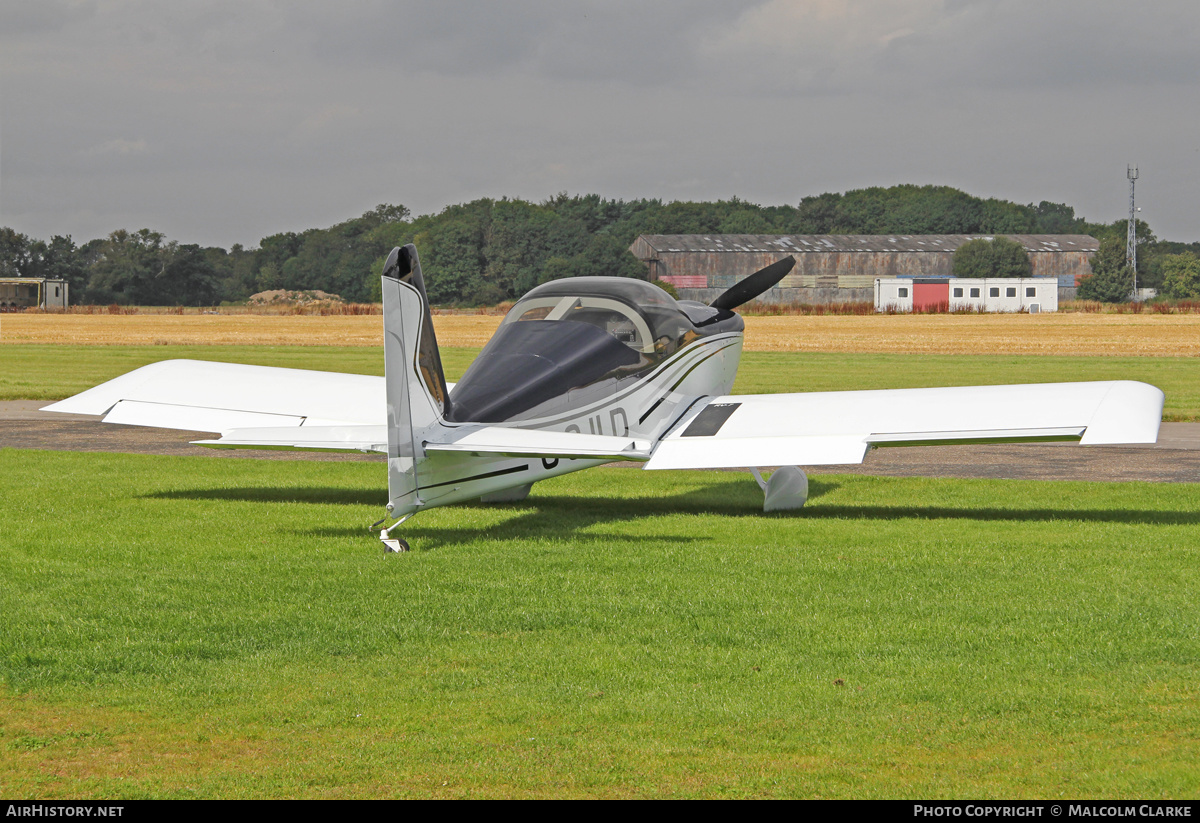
x: 19, y: 293
x: 839, y: 268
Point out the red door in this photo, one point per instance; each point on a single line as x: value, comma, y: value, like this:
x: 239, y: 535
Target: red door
x: 931, y: 296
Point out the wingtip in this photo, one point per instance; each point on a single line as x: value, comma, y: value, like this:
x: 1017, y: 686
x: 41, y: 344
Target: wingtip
x: 1130, y: 413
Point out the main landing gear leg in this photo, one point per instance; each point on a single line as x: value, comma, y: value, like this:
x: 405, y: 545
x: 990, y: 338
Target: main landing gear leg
x: 392, y: 544
x: 786, y: 489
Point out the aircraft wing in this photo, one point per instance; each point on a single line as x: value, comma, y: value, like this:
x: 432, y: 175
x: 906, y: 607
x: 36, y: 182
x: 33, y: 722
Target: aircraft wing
x: 200, y: 396
x: 824, y: 428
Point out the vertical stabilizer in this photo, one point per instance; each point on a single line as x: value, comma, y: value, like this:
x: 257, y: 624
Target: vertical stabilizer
x: 417, y: 399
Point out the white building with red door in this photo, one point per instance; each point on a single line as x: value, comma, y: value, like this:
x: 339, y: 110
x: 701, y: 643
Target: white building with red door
x: 932, y: 294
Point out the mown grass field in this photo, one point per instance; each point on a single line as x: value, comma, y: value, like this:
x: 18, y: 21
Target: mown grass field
x: 180, y: 627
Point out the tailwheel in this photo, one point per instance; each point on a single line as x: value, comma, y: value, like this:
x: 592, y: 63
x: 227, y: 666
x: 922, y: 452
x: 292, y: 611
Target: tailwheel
x: 393, y: 545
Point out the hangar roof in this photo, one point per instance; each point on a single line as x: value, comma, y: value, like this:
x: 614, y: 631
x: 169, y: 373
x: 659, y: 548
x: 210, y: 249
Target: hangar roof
x: 802, y: 243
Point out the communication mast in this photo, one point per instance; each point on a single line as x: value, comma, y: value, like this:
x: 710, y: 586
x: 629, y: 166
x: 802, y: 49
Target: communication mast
x: 1131, y: 235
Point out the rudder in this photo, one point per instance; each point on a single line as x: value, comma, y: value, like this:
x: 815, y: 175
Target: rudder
x: 417, y: 398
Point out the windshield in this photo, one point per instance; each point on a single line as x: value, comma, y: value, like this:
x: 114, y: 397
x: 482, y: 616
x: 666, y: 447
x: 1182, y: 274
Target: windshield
x: 617, y: 319
x: 639, y: 314
x: 572, y: 342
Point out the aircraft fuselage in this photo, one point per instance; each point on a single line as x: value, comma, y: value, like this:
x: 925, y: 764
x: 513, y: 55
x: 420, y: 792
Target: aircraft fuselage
x: 646, y: 409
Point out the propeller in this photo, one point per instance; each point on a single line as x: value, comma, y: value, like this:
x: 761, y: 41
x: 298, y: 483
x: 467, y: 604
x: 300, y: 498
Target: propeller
x: 751, y: 287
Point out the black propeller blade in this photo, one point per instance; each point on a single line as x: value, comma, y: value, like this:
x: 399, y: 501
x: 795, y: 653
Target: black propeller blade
x: 746, y: 290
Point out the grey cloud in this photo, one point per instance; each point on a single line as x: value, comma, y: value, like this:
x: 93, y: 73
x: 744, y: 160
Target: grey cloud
x: 20, y: 20
x: 223, y: 122
x: 636, y: 42
x: 1063, y: 45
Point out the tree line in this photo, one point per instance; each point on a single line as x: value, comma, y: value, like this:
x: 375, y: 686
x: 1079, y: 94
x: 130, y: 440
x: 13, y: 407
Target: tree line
x: 487, y: 251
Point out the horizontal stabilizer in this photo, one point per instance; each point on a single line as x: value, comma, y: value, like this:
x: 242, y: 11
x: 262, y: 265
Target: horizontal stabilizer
x: 508, y: 442
x: 831, y: 428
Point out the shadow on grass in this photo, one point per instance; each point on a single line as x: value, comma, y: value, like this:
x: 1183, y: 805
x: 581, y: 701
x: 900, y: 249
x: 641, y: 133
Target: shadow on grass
x: 1128, y: 516
x: 565, y: 516
x: 728, y: 497
x: 562, y: 517
x: 271, y: 494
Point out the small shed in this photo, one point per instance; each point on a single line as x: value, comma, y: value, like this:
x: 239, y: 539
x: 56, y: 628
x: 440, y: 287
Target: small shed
x: 20, y: 293
x: 999, y: 294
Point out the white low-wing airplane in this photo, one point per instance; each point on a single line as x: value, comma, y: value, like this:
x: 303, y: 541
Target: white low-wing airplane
x: 586, y: 371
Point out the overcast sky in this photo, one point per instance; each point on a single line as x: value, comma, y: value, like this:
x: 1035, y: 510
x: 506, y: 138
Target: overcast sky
x: 223, y: 122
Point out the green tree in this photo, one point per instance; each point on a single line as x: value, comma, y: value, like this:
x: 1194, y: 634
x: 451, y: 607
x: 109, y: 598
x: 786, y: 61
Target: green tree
x: 269, y: 278
x: 908, y: 209
x: 276, y: 250
x: 746, y: 220
x: 189, y: 278
x: 1152, y: 256
x: 130, y: 269
x: 973, y: 259
x: 591, y: 210
x: 452, y: 256
x: 1003, y: 217
x: 385, y: 213
x: 1056, y: 218
x: 556, y: 268
x: 238, y: 274
x: 1181, y: 276
x: 59, y: 260
x: 819, y: 213
x: 999, y: 257
x: 1111, y: 280
x: 14, y: 253
x: 519, y: 238
x: 139, y: 268
x: 1010, y: 258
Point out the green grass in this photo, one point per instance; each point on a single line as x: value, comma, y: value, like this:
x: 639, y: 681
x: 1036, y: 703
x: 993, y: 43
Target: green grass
x: 49, y: 372
x: 199, y: 627
x: 52, y: 372
x: 766, y: 372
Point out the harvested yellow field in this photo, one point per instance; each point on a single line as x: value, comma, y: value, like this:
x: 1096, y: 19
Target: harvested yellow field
x: 228, y: 329
x: 1150, y: 335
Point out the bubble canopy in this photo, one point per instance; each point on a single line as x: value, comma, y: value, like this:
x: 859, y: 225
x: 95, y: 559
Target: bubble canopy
x: 572, y: 342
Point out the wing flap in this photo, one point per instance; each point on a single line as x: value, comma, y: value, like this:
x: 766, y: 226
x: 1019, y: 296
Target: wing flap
x: 511, y: 442
x: 830, y: 428
x: 304, y: 438
x: 192, y: 418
